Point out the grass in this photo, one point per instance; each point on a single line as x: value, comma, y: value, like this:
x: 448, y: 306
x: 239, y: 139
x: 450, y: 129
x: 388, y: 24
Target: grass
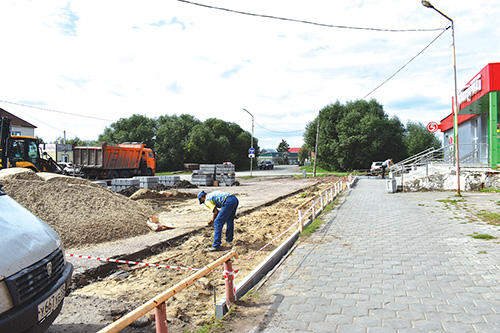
x: 169, y: 173
x: 213, y: 326
x: 322, y: 172
x: 482, y: 236
x: 451, y: 201
x: 318, y: 221
x: 312, y: 227
x: 490, y: 190
x: 491, y: 218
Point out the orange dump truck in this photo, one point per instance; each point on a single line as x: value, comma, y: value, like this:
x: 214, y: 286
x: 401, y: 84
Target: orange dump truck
x: 108, y: 161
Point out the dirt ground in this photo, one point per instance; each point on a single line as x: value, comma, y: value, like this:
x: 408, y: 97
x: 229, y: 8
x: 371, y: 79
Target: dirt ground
x: 77, y: 209
x: 192, y: 308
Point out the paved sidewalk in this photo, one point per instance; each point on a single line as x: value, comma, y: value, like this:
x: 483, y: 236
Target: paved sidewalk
x: 389, y: 262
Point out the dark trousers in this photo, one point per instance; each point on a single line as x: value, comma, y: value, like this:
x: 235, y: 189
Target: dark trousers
x: 383, y: 172
x: 226, y: 216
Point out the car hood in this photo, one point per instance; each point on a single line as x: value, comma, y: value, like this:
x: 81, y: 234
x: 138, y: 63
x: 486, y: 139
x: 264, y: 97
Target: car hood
x: 24, y: 239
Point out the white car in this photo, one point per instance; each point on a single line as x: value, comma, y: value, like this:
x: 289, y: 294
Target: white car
x: 34, y: 273
x: 376, y: 166
x: 69, y: 169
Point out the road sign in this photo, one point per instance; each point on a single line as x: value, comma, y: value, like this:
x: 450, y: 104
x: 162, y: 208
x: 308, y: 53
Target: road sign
x: 251, y: 151
x: 251, y: 155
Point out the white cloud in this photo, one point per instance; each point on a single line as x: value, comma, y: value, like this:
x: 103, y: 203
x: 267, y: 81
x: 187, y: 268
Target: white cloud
x: 112, y: 59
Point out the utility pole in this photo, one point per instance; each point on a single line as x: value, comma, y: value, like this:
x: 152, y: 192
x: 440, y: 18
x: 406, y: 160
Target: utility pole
x: 316, y: 146
x: 251, y: 142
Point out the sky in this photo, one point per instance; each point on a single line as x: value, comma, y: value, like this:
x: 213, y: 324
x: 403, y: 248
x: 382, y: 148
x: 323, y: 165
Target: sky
x: 84, y: 64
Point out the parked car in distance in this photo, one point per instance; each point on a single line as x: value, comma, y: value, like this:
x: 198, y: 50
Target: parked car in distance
x: 376, y: 166
x: 266, y: 164
x: 69, y: 169
x: 34, y: 273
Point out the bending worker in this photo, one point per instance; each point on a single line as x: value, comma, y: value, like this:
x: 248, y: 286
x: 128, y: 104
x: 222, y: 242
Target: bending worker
x: 224, y: 206
x: 386, y: 164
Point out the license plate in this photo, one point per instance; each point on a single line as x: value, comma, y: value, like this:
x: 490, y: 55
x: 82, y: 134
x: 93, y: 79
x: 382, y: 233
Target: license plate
x: 48, y: 306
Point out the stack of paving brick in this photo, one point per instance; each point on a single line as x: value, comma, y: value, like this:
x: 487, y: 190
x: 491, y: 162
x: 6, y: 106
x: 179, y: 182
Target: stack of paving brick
x: 204, y: 176
x: 168, y: 180
x: 225, y: 174
x: 147, y: 181
x: 119, y: 184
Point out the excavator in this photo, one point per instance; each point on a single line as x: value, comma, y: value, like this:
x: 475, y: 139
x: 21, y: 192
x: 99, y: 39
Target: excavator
x: 23, y: 151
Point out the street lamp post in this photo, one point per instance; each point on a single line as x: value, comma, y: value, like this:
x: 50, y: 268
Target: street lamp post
x: 455, y: 113
x: 251, y: 142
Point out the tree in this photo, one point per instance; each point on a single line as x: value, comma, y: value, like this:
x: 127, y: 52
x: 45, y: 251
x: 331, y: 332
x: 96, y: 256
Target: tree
x: 76, y: 140
x: 351, y: 136
x: 222, y: 142
x: 304, y: 154
x: 172, y: 140
x: 137, y: 128
x: 283, y: 148
x: 417, y: 138
x: 180, y: 139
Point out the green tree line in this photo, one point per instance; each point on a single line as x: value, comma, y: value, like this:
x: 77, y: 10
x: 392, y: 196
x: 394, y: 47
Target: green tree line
x: 353, y: 135
x: 184, y: 139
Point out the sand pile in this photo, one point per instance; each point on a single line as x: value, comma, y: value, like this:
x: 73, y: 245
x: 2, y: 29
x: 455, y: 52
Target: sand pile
x: 77, y: 209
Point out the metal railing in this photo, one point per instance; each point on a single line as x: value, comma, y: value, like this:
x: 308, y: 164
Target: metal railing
x: 471, y: 155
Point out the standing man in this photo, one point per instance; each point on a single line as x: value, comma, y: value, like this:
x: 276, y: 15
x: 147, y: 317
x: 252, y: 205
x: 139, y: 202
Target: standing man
x: 387, y: 163
x: 224, y: 206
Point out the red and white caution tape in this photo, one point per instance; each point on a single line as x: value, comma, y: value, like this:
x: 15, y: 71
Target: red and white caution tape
x: 118, y: 261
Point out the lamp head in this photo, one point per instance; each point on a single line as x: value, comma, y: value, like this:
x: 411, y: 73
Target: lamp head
x: 427, y: 4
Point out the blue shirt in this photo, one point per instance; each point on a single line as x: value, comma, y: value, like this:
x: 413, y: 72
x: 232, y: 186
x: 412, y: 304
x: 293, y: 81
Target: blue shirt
x: 216, y: 199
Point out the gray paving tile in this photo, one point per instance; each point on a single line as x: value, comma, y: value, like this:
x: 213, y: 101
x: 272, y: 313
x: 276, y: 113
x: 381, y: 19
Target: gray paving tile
x: 387, y: 262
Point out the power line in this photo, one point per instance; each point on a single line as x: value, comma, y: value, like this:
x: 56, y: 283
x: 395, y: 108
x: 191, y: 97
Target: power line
x: 288, y: 132
x: 303, y: 21
x: 399, y: 70
x: 56, y: 111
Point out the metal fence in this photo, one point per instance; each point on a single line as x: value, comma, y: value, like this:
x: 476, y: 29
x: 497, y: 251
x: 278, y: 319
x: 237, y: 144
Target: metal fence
x: 471, y: 155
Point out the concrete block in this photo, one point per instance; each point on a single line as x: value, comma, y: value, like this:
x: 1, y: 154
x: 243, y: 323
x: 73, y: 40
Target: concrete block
x: 125, y: 182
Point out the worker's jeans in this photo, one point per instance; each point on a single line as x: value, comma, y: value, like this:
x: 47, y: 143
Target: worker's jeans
x: 226, y: 215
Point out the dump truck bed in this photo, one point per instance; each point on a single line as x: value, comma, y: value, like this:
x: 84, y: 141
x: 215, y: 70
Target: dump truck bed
x: 110, y: 157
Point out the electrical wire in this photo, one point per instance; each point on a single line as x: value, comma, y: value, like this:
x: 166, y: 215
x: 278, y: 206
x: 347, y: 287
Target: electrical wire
x: 286, y: 132
x: 383, y: 83
x: 56, y: 111
x: 275, y: 18
x: 303, y: 21
x: 399, y: 70
x: 41, y: 121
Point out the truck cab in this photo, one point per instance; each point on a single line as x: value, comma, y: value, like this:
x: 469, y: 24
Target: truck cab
x: 149, y: 159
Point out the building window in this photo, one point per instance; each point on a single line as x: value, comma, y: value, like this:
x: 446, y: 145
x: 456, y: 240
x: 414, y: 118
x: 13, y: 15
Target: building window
x: 65, y: 158
x: 16, y: 133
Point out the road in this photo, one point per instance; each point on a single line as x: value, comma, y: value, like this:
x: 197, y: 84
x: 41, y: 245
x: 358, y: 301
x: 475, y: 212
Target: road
x: 278, y: 170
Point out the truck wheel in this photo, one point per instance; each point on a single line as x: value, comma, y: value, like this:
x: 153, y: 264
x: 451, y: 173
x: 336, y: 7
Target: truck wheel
x: 112, y: 174
x: 149, y: 172
x: 124, y: 174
